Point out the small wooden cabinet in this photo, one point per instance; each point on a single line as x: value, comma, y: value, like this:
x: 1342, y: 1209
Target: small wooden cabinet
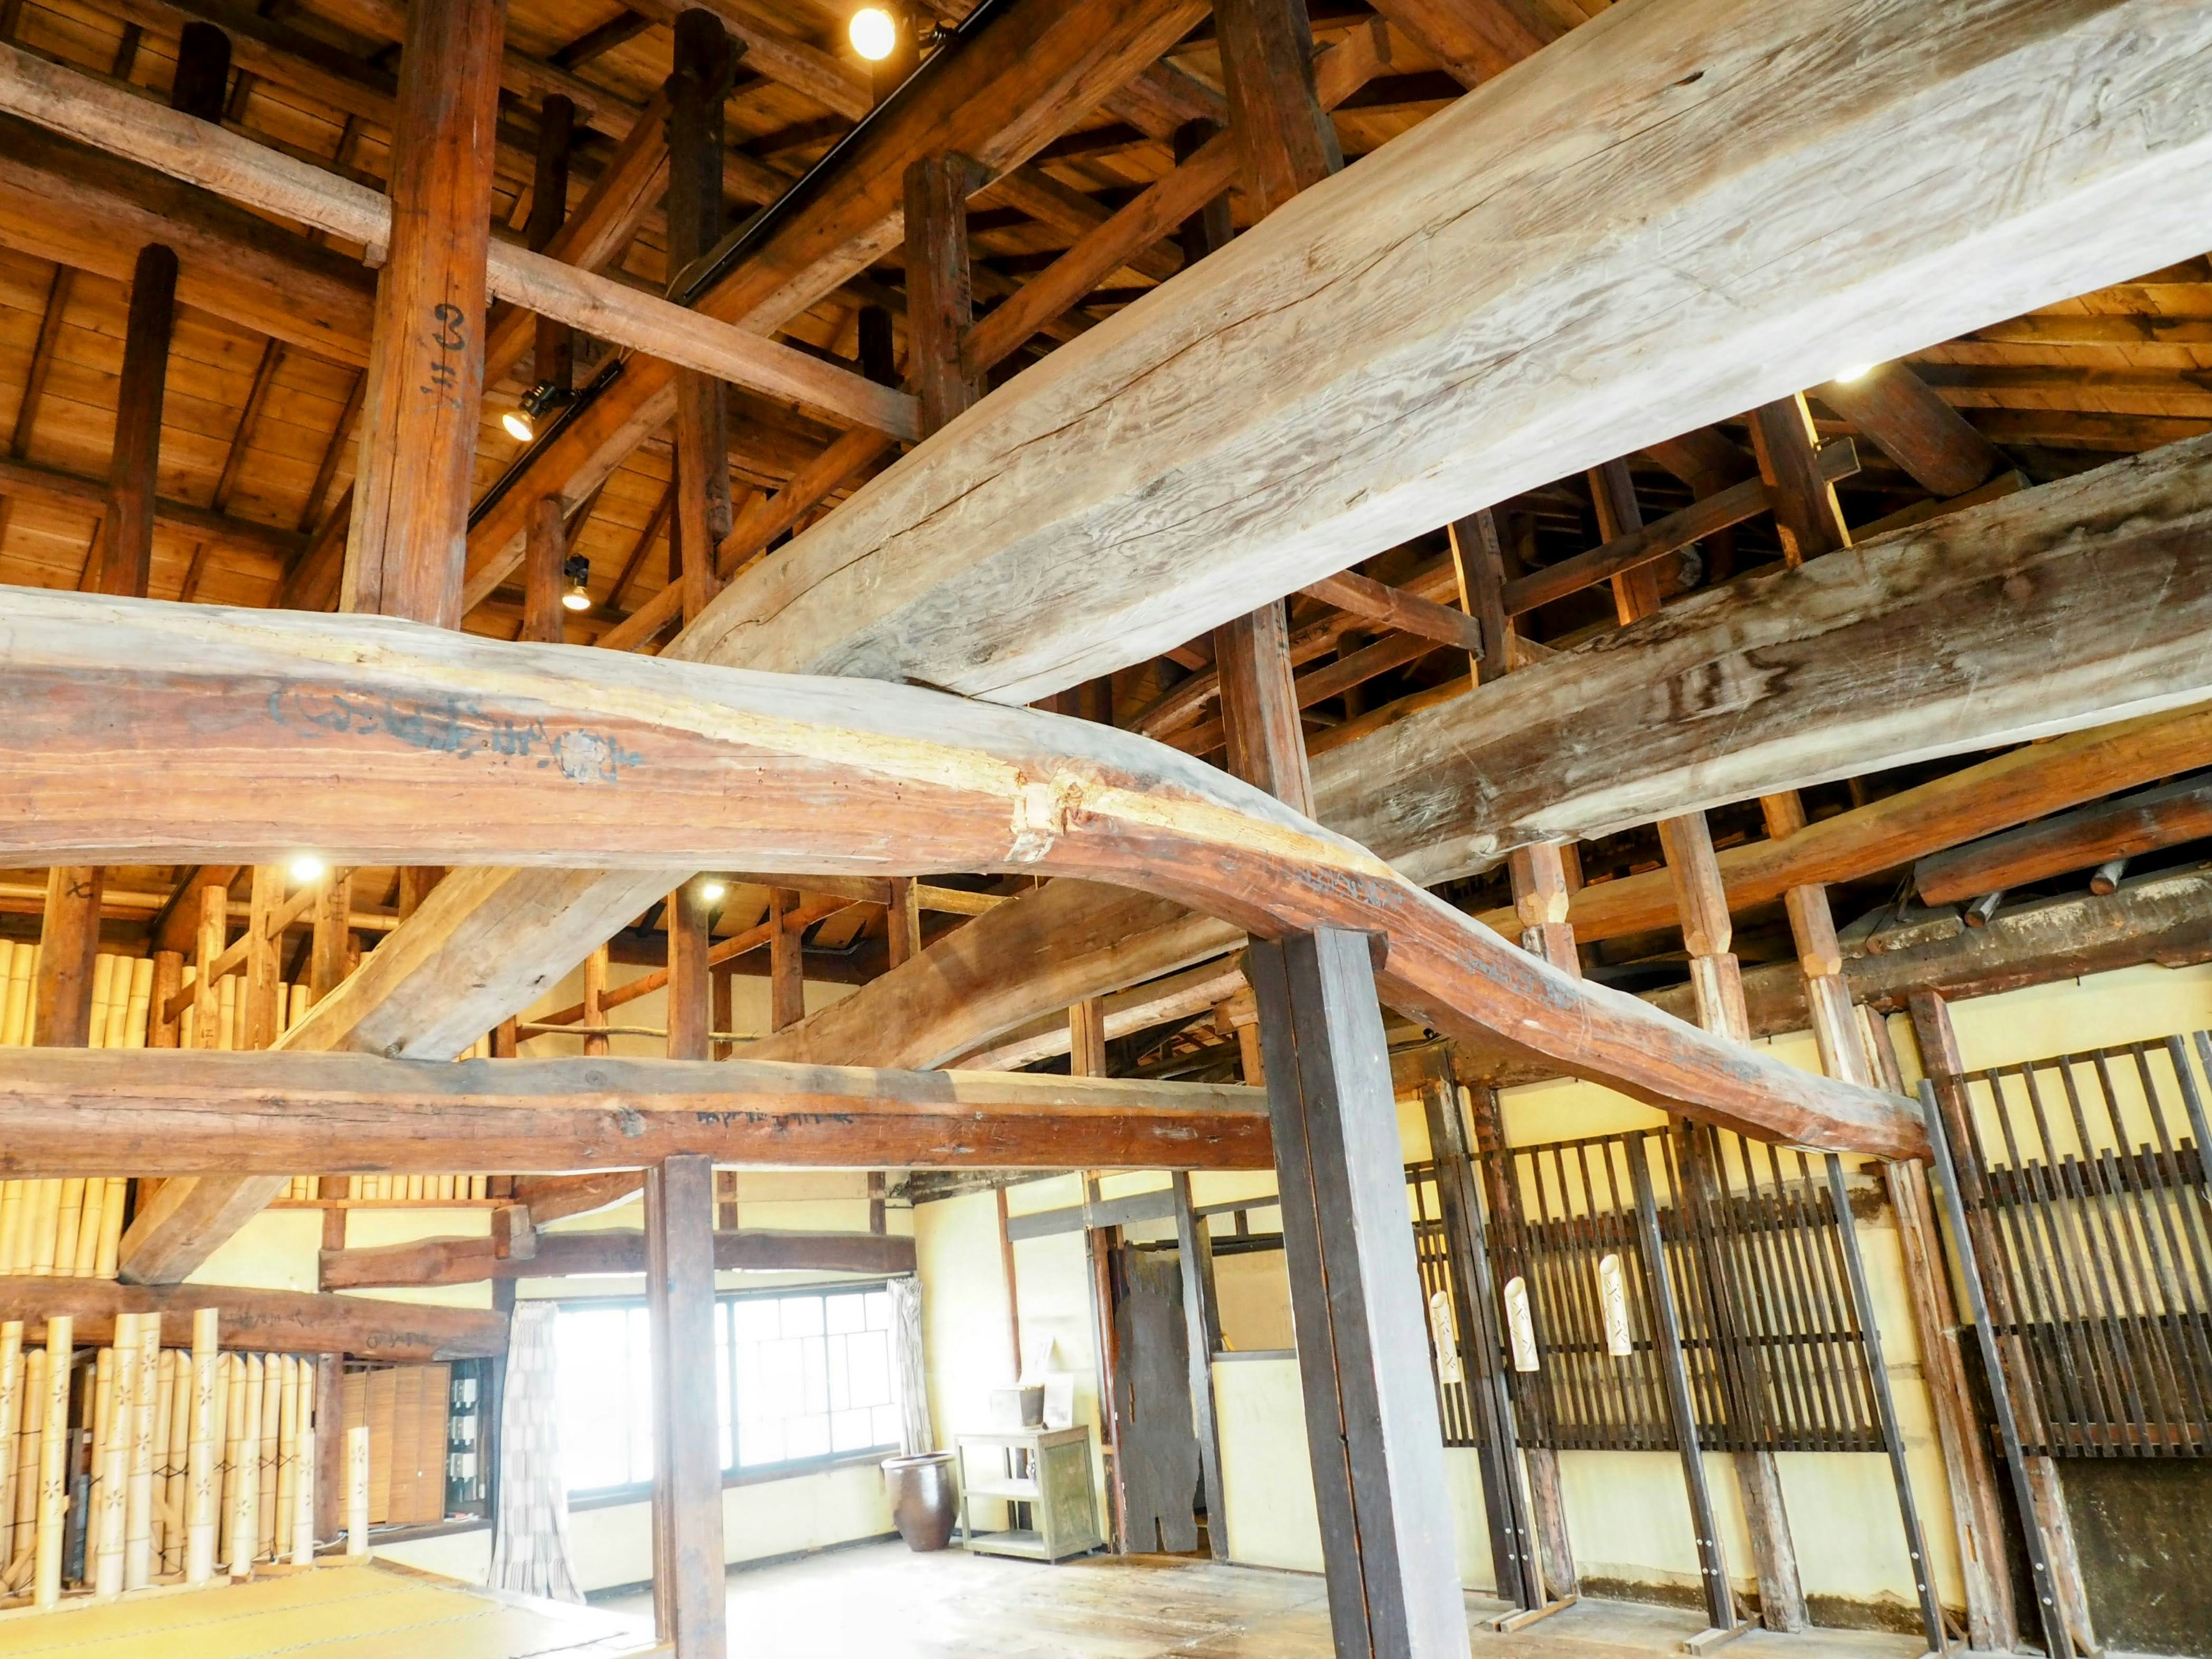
x: 1045, y: 1470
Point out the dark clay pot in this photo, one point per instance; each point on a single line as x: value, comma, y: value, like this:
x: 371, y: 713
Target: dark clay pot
x: 922, y: 1499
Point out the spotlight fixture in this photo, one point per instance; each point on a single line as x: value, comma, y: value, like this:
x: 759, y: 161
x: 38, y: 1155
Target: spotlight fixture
x: 307, y: 867
x: 874, y: 33
x: 521, y: 421
x: 578, y: 573
x: 1856, y: 372
x: 713, y: 891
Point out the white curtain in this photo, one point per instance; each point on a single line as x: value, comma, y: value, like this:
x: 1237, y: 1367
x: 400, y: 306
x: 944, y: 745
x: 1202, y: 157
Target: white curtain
x: 529, y: 1535
x: 916, y: 1434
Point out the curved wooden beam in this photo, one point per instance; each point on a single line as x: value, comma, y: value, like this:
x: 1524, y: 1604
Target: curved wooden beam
x: 378, y: 741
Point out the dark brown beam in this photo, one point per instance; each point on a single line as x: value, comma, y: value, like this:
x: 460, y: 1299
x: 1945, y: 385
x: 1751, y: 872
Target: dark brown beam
x: 196, y: 1112
x: 2121, y: 828
x: 1806, y: 512
x: 1897, y: 412
x: 262, y: 1321
x: 939, y: 289
x: 32, y: 481
x: 1474, y: 39
x: 126, y: 551
x: 616, y: 1250
x: 705, y: 61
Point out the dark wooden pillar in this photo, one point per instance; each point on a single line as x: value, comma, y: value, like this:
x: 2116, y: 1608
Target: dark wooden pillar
x: 687, y: 1490
x: 688, y: 920
x: 546, y: 543
x: 330, y: 1444
x: 1267, y: 742
x: 1208, y: 229
x: 1806, y: 513
x: 406, y: 552
x: 902, y: 922
x: 261, y: 1016
x: 68, y: 939
x: 1201, y: 1317
x: 705, y: 60
x: 1371, y: 1427
x: 545, y: 550
x: 787, y: 976
x: 126, y: 560
x: 939, y: 300
x: 1284, y: 138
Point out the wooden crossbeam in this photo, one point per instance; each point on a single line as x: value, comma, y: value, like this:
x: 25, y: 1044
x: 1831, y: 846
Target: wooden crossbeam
x: 620, y: 1250
x: 449, y: 746
x: 1395, y: 608
x: 262, y: 1321
x: 2116, y: 829
x: 36, y: 482
x: 214, y: 159
x: 208, y: 1112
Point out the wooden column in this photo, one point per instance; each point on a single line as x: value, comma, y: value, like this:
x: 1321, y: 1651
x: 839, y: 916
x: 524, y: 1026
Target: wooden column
x: 68, y: 939
x: 425, y: 383
x: 705, y: 58
x: 329, y: 1446
x: 1479, y: 560
x: 1260, y: 705
x: 1371, y: 1406
x: 1086, y: 1038
x: 126, y: 558
x: 787, y: 976
x: 1201, y: 1319
x: 553, y: 359
x: 687, y: 1493
x: 1285, y: 139
x: 1942, y: 1064
x: 688, y: 920
x: 1209, y: 228
x: 595, y: 992
x: 939, y: 298
x: 214, y: 933
x: 545, y: 551
x: 261, y: 1015
x: 1806, y: 512
x: 902, y: 922
x: 329, y: 955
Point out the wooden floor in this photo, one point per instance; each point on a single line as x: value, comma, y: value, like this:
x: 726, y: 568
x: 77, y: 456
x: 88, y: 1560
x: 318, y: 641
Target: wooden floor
x: 881, y: 1602
x: 330, y: 1613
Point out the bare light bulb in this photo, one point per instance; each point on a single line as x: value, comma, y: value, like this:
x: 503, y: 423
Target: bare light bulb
x: 1856, y: 372
x: 713, y: 891
x: 874, y: 33
x: 307, y: 867
x: 519, y: 426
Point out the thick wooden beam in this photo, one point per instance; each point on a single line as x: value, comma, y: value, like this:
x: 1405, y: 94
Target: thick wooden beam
x: 627, y: 759
x: 1474, y: 39
x: 1900, y: 415
x: 562, y: 1255
x: 1395, y: 608
x: 1284, y: 137
x: 2120, y: 828
x: 36, y: 482
x: 197, y: 1112
x: 263, y: 1322
x: 1208, y: 510
x: 1806, y: 512
x: 126, y: 542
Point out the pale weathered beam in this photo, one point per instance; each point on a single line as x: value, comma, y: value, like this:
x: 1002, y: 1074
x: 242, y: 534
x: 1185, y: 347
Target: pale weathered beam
x: 612, y: 1250
x: 263, y: 1322
x: 201, y: 1112
x: 382, y: 742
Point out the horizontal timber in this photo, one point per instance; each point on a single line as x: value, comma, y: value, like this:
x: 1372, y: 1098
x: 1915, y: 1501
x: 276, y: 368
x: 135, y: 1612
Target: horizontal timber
x: 406, y: 743
x: 196, y: 1112
x: 260, y: 1321
x: 612, y: 1250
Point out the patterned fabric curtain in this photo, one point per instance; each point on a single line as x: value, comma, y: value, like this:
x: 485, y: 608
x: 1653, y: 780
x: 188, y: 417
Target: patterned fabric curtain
x: 916, y: 1435
x: 529, y: 1535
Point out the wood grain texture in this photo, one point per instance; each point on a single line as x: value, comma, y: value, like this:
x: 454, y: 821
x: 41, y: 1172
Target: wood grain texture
x: 1899, y: 413
x: 185, y: 1111
x: 620, y: 1250
x: 1375, y: 402
x: 263, y: 1322
x: 2120, y: 828
x: 453, y: 746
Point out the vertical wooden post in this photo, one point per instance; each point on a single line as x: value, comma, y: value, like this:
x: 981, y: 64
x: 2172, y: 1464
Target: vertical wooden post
x: 555, y: 356
x: 546, y: 555
x: 262, y: 1016
x: 53, y: 1465
x: 425, y: 384
x: 69, y: 942
x: 330, y: 952
x: 1209, y: 228
x: 1086, y: 1038
x: 1201, y: 1318
x: 595, y: 992
x: 705, y: 58
x: 939, y: 300
x: 1284, y: 138
x: 1806, y: 512
x: 1260, y: 705
x: 201, y: 84
x: 1371, y: 1424
x: 787, y: 976
x: 687, y: 1493
x: 126, y: 558
x: 329, y: 1446
x: 687, y: 921
x: 214, y: 933
x: 168, y: 979
x: 902, y: 922
x: 1478, y: 561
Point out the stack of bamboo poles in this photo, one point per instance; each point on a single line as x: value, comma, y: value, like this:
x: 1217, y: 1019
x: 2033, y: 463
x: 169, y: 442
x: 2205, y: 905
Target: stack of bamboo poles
x: 69, y: 1229
x: 122, y: 992
x: 420, y: 1189
x: 197, y: 1457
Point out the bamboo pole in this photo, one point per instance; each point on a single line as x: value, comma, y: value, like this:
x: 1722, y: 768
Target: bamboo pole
x: 53, y: 1463
x: 22, y: 970
x: 138, y: 1471
x: 245, y: 1515
x: 11, y: 1427
x: 111, y: 1229
x: 357, y: 1493
x: 99, y: 1402
x: 303, y: 1492
x: 268, y: 1493
x: 201, y: 1480
x: 166, y: 1487
x: 60, y: 1251
x: 28, y: 1466
x: 92, y: 1220
x: 119, y: 1397
x: 11, y: 1225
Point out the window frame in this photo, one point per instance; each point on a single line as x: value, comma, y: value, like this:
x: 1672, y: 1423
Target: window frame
x: 735, y: 1472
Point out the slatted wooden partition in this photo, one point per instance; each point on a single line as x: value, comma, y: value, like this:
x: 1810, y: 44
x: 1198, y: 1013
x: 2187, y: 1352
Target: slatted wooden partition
x: 2084, y: 1179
